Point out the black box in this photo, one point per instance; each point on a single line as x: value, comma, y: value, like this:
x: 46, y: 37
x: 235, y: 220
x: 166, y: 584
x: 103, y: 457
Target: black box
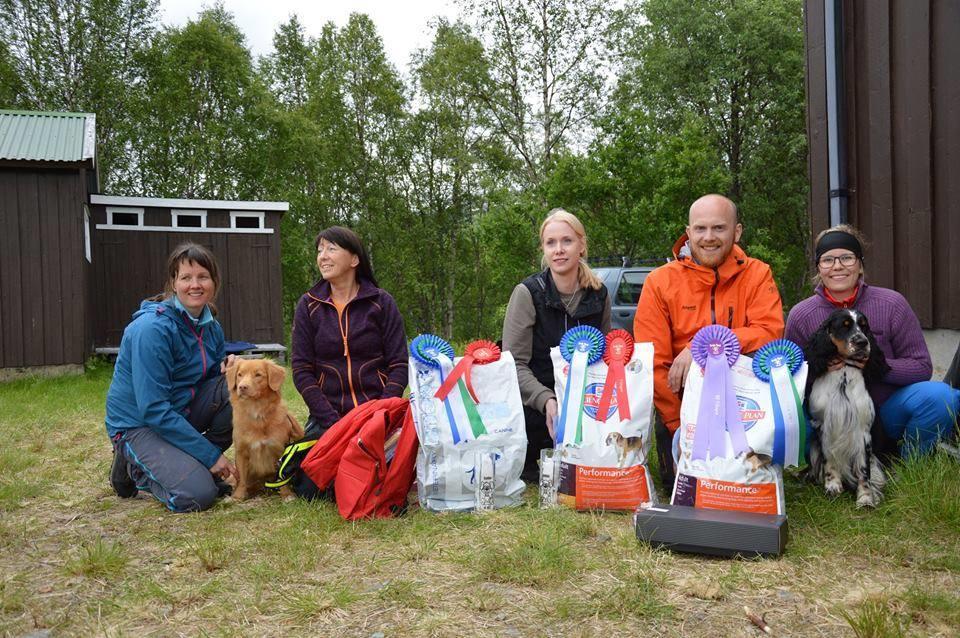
x: 715, y: 532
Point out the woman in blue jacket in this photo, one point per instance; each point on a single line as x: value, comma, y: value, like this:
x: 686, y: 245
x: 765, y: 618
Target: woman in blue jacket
x: 168, y: 407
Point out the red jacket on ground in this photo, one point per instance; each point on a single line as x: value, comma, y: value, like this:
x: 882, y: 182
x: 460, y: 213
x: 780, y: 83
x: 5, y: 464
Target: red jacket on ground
x: 350, y: 455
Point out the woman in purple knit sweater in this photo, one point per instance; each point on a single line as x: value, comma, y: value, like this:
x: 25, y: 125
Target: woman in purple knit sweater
x: 912, y: 408
x: 349, y: 344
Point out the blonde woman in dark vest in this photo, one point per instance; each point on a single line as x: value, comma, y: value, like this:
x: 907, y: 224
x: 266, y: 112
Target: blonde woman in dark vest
x: 541, y: 309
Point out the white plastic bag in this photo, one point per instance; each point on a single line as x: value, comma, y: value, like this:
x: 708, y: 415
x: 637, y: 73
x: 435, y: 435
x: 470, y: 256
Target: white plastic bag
x: 607, y: 468
x: 746, y: 483
x: 448, y: 469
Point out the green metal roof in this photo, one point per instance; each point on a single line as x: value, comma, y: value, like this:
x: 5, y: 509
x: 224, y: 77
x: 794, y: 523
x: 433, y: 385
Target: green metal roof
x: 50, y: 137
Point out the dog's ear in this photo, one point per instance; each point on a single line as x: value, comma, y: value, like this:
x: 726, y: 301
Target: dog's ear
x: 275, y: 376
x: 232, y: 376
x: 820, y: 349
x: 876, y: 367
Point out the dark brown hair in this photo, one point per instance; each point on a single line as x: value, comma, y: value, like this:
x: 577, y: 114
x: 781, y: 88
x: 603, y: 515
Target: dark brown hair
x: 350, y: 241
x: 191, y: 253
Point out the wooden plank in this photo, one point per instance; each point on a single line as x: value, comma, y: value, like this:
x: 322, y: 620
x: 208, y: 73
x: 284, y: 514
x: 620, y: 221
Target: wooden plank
x: 910, y: 73
x: 75, y: 295
x: 945, y: 97
x: 240, y: 275
x: 51, y: 271
x: 28, y: 188
x: 11, y: 290
x: 874, y: 113
x: 75, y: 189
x: 276, y: 280
x: 225, y: 308
x: 852, y: 62
x: 818, y: 201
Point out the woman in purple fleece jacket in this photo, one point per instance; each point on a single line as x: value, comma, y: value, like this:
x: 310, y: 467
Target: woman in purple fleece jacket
x: 349, y: 344
x: 912, y: 408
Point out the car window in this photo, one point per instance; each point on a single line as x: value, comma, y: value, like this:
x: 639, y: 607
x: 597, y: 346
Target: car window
x: 628, y: 292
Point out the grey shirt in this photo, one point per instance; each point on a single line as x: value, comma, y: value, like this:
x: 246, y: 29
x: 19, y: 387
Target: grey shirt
x: 518, y: 340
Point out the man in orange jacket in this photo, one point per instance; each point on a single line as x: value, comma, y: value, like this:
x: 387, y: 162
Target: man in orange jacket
x: 711, y: 281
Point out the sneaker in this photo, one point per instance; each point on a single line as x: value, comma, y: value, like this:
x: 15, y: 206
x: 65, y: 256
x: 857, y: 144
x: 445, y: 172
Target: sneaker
x: 120, y: 479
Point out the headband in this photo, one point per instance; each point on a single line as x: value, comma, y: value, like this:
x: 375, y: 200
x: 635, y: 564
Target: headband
x: 839, y: 239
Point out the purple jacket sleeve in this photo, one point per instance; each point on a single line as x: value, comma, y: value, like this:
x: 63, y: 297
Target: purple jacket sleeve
x: 302, y: 360
x: 797, y: 329
x: 394, y: 347
x: 911, y: 358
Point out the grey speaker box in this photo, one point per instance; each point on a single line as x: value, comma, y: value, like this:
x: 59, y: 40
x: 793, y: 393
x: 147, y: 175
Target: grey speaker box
x: 713, y: 532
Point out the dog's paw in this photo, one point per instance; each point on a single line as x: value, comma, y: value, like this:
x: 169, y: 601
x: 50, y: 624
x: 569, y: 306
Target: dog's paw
x: 833, y: 486
x: 866, y: 499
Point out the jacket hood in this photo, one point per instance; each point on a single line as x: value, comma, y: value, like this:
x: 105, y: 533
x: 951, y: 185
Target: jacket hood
x: 733, y: 264
x: 147, y: 306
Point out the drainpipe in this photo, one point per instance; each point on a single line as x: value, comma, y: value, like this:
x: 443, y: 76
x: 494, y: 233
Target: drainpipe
x: 836, y: 131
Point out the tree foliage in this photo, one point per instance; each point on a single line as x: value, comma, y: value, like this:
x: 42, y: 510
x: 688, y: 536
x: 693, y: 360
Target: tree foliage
x: 66, y: 55
x: 622, y: 116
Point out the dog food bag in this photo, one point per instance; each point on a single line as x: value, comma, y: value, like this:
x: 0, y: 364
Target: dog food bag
x: 469, y: 419
x: 741, y: 422
x: 604, y: 389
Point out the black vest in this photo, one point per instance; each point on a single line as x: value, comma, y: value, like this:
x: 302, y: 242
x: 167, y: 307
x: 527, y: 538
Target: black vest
x: 552, y: 320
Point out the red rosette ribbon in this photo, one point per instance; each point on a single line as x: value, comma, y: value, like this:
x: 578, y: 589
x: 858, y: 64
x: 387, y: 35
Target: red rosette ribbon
x: 478, y: 352
x: 616, y: 355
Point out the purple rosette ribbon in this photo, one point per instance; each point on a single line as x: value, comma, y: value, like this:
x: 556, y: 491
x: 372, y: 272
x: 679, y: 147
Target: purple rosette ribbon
x: 715, y: 349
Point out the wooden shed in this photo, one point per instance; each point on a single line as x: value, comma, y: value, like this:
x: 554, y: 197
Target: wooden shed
x: 134, y: 235
x: 883, y: 120
x: 75, y: 265
x: 47, y: 169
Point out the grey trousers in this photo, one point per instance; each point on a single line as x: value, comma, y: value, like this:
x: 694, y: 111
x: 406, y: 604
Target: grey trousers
x: 175, y: 478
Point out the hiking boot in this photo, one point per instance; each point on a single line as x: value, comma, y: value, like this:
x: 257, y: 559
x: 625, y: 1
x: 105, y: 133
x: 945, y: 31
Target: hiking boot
x: 223, y: 488
x: 120, y: 479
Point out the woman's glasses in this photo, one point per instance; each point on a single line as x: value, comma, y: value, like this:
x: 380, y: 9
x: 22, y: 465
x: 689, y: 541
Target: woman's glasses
x: 827, y: 261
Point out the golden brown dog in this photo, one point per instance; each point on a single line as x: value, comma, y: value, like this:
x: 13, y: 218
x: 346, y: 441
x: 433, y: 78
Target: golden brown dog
x: 262, y: 426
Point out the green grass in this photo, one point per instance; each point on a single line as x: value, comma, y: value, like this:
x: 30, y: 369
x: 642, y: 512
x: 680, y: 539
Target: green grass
x: 76, y: 560
x: 98, y: 559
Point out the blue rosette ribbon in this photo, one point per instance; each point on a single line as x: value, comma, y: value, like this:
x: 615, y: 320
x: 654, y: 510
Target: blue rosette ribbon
x: 776, y: 363
x: 462, y: 415
x: 581, y: 347
x: 715, y: 349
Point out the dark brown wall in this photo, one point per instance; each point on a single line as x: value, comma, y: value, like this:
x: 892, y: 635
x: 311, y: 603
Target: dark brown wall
x: 43, y: 271
x: 129, y: 265
x: 902, y: 98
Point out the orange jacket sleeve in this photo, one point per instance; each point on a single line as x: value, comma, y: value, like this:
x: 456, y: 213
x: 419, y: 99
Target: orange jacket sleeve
x: 652, y: 324
x: 764, y: 321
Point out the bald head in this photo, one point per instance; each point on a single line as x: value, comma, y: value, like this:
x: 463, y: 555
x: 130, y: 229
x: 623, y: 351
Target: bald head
x: 715, y: 203
x: 712, y: 229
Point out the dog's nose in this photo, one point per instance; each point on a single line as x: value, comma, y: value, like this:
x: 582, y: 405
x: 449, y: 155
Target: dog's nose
x: 859, y: 340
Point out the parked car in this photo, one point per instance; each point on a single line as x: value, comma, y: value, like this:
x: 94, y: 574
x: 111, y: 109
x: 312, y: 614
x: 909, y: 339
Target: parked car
x: 624, y: 284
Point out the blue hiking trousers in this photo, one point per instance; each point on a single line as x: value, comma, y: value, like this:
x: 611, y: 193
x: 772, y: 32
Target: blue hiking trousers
x: 175, y: 478
x: 920, y: 414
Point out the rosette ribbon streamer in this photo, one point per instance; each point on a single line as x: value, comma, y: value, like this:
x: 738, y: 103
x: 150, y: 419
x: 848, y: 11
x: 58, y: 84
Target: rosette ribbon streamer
x: 477, y: 352
x: 715, y: 349
x: 461, y: 411
x: 580, y: 347
x: 776, y: 363
x: 617, y: 353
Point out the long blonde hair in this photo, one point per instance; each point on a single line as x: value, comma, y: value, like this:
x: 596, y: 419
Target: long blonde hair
x: 586, y: 278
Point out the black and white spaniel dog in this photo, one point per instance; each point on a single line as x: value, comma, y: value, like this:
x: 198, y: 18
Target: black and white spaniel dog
x: 845, y: 439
